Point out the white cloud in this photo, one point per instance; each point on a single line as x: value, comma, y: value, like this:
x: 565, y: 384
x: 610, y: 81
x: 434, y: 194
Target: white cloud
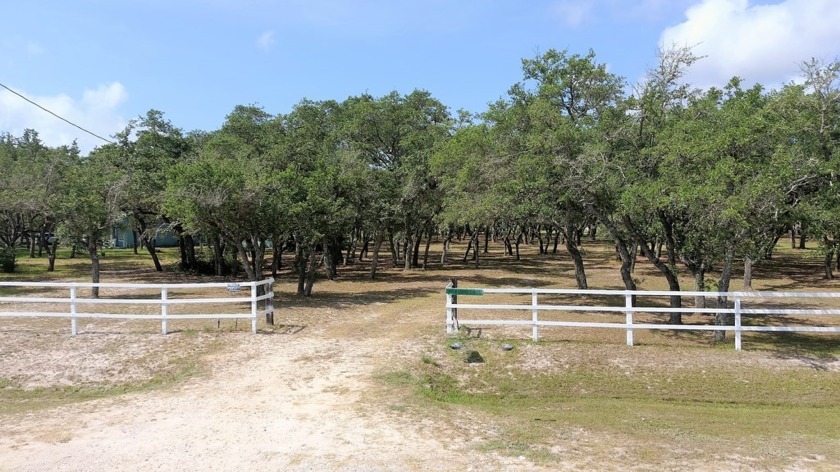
x: 762, y: 43
x: 97, y: 110
x: 572, y: 12
x: 34, y: 49
x: 266, y: 41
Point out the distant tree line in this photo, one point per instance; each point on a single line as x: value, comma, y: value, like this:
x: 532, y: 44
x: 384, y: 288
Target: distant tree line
x: 682, y: 177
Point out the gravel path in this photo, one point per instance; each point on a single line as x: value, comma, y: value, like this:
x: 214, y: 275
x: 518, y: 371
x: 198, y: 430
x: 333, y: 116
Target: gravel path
x: 296, y: 402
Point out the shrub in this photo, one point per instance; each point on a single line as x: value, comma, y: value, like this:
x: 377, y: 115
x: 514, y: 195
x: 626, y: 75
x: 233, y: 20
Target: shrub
x: 7, y: 260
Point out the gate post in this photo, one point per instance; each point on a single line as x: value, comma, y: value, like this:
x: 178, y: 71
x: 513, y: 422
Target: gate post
x: 451, y: 312
x: 628, y: 304
x: 164, y: 310
x: 74, y: 326
x: 254, y: 307
x: 737, y: 323
x: 534, y: 316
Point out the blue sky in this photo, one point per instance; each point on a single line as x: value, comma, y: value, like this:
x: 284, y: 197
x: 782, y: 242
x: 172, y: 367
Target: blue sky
x: 100, y: 63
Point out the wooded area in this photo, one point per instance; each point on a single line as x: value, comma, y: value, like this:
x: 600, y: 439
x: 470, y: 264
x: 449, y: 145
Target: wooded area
x: 682, y: 177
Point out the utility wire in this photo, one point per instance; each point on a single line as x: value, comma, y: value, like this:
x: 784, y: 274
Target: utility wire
x: 59, y: 117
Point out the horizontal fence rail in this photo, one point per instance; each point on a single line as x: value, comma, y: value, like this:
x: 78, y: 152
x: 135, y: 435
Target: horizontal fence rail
x: 73, y: 301
x: 738, y: 311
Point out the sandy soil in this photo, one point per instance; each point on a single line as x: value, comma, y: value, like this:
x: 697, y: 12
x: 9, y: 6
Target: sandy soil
x: 301, y: 398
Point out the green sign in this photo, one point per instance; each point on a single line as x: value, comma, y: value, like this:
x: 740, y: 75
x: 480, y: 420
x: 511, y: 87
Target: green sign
x: 464, y: 291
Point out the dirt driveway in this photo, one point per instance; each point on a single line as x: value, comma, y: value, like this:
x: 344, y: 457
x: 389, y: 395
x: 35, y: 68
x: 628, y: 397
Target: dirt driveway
x: 305, y: 397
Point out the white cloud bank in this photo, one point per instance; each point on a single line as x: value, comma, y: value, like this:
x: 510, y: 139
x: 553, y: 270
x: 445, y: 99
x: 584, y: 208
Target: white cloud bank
x: 96, y: 110
x: 760, y: 43
x: 266, y: 41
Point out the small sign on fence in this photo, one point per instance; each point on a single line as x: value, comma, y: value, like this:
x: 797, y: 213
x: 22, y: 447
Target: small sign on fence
x: 233, y: 287
x: 464, y: 291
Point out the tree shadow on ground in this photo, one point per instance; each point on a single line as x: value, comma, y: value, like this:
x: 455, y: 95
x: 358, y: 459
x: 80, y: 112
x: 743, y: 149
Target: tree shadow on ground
x: 281, y: 329
x: 798, y: 266
x: 818, y: 352
x: 327, y: 299
x: 482, y: 281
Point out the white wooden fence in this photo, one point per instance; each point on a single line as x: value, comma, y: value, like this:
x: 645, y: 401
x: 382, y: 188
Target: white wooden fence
x: 73, y: 302
x: 738, y: 310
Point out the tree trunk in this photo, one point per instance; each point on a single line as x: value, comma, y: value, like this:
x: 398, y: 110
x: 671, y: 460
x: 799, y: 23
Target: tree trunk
x: 395, y: 259
x: 723, y: 319
x: 748, y: 273
x: 150, y: 246
x: 628, y: 257
x: 94, y: 265
x: 829, y: 257
x: 51, y: 254
x: 665, y: 269
x: 671, y: 274
x: 134, y: 239
x: 700, y: 286
x: 408, y: 249
x: 332, y: 256
x: 32, y: 243
x: 300, y: 267
x: 218, y: 257
x: 446, y: 243
x: 426, y: 251
x: 310, y: 274
x: 248, y: 265
x: 801, y: 236
x: 415, y: 253
x: 477, y: 243
x: 276, y: 257
x: 182, y: 252
x: 518, y: 242
x: 189, y: 245
x: 351, y: 250
x: 626, y: 266
x: 363, y: 253
x: 469, y: 246
x: 374, y: 260
x: 571, y: 241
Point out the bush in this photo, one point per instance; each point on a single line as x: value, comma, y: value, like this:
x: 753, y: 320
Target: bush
x: 7, y: 260
x: 205, y: 261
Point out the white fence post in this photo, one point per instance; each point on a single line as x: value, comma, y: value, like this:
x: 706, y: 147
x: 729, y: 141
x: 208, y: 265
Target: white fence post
x: 628, y: 303
x: 164, y: 310
x: 74, y: 327
x: 451, y: 313
x: 535, y: 330
x: 450, y: 326
x: 254, y: 308
x: 737, y: 323
x: 269, y: 302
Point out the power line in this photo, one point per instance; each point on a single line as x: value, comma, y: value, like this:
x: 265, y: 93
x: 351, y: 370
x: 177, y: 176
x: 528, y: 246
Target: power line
x: 59, y: 117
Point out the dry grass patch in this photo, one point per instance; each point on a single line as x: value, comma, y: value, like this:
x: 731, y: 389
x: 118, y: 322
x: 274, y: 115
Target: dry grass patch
x: 555, y: 402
